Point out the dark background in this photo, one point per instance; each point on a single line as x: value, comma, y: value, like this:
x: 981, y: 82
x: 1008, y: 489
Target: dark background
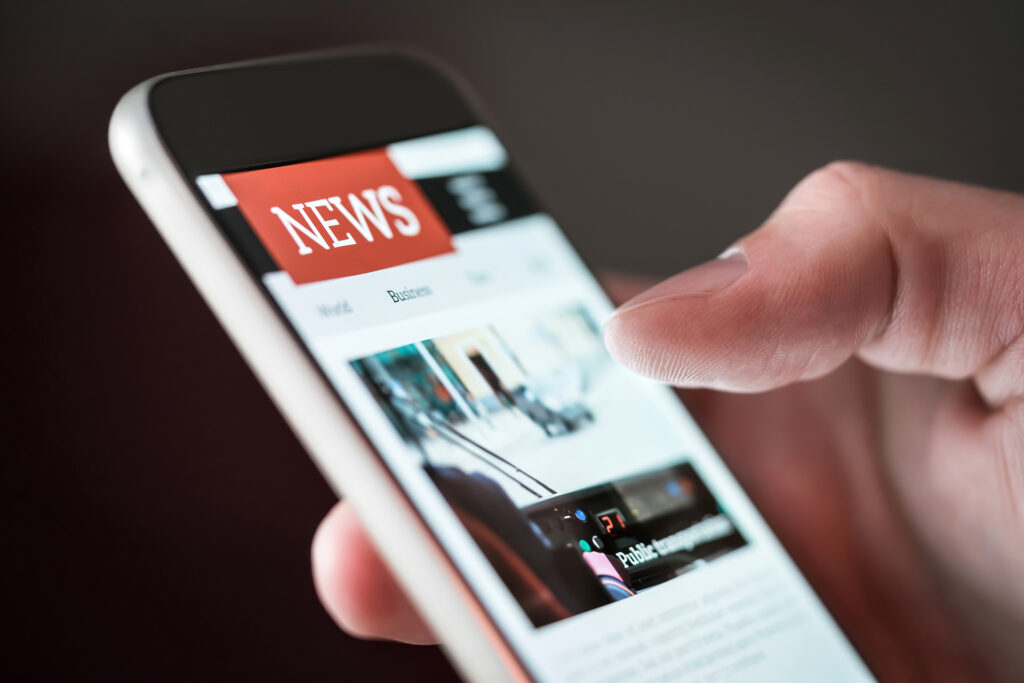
x: 160, y: 511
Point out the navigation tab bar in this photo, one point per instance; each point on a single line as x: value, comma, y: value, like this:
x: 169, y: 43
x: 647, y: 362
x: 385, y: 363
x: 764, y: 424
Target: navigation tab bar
x: 487, y: 264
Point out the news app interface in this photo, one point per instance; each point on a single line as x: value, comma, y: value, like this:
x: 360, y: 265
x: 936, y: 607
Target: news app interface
x: 581, y: 503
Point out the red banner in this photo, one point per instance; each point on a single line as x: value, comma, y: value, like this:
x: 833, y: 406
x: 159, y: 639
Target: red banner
x: 341, y: 216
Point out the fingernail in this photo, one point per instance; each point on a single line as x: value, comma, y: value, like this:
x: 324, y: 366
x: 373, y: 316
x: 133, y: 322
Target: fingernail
x: 706, y: 278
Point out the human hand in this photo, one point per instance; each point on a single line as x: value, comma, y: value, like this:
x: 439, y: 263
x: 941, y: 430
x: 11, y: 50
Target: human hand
x: 880, y: 318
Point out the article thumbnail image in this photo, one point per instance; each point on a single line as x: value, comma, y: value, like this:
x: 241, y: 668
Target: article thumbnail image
x: 505, y: 399
x: 511, y: 421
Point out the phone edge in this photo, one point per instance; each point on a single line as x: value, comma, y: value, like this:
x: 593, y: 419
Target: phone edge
x: 313, y: 411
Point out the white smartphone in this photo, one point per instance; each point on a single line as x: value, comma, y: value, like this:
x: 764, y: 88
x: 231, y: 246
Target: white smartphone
x: 435, y: 342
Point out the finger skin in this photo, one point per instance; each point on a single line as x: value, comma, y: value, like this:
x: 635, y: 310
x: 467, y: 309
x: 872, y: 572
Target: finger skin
x: 356, y: 587
x: 922, y: 279
x: 909, y: 273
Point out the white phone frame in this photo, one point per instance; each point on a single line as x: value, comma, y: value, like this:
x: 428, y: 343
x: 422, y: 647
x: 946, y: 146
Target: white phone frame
x: 309, y: 404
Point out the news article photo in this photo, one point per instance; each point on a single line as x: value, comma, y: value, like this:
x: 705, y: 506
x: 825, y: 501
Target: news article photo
x: 528, y: 429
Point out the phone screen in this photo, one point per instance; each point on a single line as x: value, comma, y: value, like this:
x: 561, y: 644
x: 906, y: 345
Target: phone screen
x: 581, y: 503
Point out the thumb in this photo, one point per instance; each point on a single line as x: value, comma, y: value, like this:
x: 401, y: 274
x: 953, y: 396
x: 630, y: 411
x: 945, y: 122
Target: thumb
x: 909, y: 273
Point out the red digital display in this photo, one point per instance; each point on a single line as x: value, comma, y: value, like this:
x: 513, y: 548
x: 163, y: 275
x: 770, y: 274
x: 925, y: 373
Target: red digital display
x: 612, y: 522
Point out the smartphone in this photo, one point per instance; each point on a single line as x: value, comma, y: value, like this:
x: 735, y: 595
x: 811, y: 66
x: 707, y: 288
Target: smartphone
x: 435, y: 342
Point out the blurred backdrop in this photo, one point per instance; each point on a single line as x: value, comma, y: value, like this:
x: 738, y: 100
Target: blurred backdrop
x: 160, y: 510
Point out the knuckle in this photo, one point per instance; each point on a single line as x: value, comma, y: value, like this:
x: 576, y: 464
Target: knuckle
x: 837, y: 184
x: 851, y: 172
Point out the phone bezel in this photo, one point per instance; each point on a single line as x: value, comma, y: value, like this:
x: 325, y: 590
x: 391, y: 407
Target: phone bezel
x: 288, y: 110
